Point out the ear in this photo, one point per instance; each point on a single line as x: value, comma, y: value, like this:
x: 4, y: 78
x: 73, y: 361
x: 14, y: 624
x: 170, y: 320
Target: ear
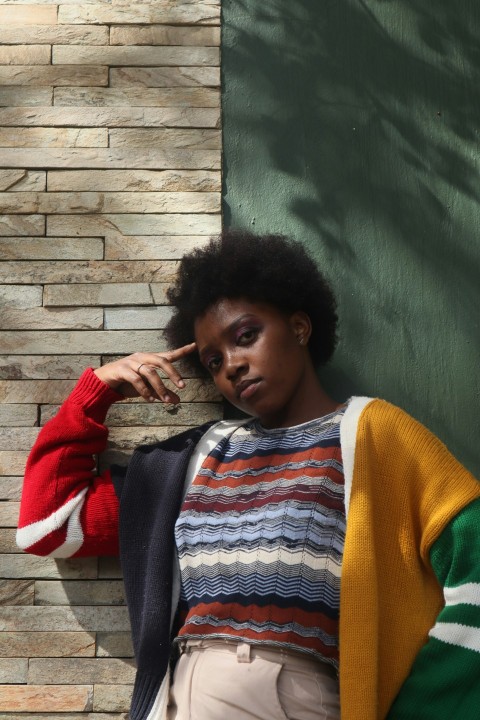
x: 302, y: 327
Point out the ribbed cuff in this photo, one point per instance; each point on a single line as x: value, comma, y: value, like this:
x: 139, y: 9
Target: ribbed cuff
x: 93, y: 394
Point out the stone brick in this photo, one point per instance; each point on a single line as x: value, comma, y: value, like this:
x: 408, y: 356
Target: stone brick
x: 9, y: 514
x: 111, y: 117
x: 12, y: 462
x: 165, y: 77
x: 35, y: 391
x: 150, y: 247
x: 59, y: 619
x: 164, y: 35
x: 54, y: 249
x: 7, y: 539
x: 134, y: 180
x: 104, y: 295
x: 84, y: 271
x: 79, y: 592
x: 16, y: 592
x: 205, y: 13
x: 49, y: 34
x: 117, y: 645
x: 18, y: 225
x: 22, y: 180
x: 166, y: 138
x: 133, y: 224
x: 17, y: 416
x: 28, y: 14
x: 51, y: 698
x: 97, y: 341
x: 20, y: 296
x: 24, y: 54
x: 92, y: 202
x: 137, y: 97
x: 48, y: 644
x: 18, y: 438
x: 138, y: 55
x: 53, y: 75
x: 24, y: 96
x: 159, y: 292
x: 12, y: 670
x: 136, y: 318
x: 39, y: 137
x: 10, y: 489
x: 146, y: 414
x: 30, y: 566
x: 112, y: 698
x: 41, y: 367
x: 120, y: 158
x: 68, y: 670
x: 52, y: 318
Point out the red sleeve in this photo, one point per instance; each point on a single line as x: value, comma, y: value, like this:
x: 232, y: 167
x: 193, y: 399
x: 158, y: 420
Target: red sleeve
x: 66, y: 510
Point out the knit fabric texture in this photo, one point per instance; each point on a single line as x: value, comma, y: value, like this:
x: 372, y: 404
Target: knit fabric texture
x: 410, y: 587
x: 260, y: 539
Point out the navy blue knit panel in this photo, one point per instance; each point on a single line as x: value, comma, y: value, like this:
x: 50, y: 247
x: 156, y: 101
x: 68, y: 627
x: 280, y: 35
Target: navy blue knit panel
x: 149, y: 505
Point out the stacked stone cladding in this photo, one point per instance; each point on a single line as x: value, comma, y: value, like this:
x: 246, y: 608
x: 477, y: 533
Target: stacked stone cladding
x: 110, y: 156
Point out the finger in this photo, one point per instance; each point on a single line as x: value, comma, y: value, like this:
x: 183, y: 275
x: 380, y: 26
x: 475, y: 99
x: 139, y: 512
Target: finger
x: 177, y: 353
x: 135, y: 384
x: 157, y: 387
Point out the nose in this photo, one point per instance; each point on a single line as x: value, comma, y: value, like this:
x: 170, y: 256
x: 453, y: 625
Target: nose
x: 235, y: 364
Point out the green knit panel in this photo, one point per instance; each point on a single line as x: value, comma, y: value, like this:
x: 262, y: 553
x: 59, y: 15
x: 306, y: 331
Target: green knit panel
x: 444, y: 682
x: 444, y: 685
x: 455, y: 556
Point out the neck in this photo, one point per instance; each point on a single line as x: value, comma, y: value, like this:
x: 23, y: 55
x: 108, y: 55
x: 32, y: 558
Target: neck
x: 310, y: 401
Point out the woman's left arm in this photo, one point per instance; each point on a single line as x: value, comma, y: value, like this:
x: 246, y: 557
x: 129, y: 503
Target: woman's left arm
x: 444, y: 682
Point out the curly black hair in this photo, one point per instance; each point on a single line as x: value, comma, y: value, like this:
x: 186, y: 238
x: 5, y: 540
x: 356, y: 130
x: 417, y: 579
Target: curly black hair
x: 260, y: 268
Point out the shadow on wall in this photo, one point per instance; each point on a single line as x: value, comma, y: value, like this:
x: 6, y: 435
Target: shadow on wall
x: 353, y: 126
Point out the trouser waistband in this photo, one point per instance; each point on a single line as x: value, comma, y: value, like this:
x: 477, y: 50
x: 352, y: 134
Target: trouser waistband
x: 246, y: 652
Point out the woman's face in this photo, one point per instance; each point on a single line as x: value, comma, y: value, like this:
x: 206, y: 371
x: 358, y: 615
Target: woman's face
x: 258, y: 358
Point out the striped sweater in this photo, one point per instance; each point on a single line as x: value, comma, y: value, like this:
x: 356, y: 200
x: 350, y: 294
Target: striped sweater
x: 260, y: 539
x: 410, y: 589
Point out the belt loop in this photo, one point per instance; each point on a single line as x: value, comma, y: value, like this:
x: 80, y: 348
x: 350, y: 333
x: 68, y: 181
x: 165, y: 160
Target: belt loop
x: 243, y: 653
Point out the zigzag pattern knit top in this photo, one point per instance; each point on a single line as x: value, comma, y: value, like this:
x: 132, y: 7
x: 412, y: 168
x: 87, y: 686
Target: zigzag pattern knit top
x: 260, y: 539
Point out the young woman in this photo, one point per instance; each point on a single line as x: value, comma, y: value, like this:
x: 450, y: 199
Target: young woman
x: 316, y: 560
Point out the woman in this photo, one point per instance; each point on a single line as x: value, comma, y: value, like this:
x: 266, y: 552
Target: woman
x: 266, y: 515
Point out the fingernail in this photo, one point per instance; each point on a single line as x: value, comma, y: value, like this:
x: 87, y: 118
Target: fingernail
x: 166, y: 398
x: 151, y: 399
x: 181, y: 383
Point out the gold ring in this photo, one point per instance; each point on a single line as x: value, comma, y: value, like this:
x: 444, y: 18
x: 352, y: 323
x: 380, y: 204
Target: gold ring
x: 141, y: 365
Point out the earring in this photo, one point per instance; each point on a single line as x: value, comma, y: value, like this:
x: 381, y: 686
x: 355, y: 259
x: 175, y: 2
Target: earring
x: 300, y: 340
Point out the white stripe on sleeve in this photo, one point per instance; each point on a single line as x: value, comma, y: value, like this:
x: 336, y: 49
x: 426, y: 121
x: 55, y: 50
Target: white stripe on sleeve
x: 468, y: 594
x: 68, y: 513
x: 455, y: 634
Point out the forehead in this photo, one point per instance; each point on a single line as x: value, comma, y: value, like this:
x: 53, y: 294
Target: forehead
x: 221, y: 317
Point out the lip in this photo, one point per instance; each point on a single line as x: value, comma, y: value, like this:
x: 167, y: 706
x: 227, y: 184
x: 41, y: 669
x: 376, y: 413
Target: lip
x: 247, y: 388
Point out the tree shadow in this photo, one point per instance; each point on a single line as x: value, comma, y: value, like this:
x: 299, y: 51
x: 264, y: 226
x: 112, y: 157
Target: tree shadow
x: 352, y: 125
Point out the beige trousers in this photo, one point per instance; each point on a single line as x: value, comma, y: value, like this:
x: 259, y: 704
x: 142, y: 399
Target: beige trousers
x: 217, y: 680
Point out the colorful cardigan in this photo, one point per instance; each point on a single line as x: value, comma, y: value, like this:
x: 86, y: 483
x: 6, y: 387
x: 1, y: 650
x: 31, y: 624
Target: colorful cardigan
x: 410, y: 589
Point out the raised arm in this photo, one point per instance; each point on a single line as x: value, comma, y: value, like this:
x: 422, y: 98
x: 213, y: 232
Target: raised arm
x: 66, y: 509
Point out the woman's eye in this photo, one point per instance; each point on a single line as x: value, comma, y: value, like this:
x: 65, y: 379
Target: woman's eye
x: 247, y: 336
x: 213, y: 363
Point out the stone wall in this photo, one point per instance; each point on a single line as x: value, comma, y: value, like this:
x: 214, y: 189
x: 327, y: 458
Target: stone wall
x: 109, y: 170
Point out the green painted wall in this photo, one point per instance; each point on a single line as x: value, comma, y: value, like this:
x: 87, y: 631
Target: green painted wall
x: 353, y: 126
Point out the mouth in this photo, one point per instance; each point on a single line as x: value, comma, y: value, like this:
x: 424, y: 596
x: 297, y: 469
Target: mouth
x: 246, y: 388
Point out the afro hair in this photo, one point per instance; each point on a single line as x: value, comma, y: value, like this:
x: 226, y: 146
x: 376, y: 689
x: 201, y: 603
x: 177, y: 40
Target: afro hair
x: 260, y: 268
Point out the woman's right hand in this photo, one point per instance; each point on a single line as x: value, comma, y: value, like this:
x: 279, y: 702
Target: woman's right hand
x: 137, y: 374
